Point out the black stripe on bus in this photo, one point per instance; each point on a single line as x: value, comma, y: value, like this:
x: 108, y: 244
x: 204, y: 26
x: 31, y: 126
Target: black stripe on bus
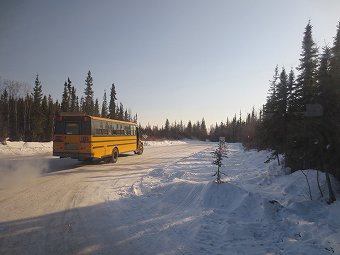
x: 105, y: 141
x: 96, y: 147
x: 119, y: 144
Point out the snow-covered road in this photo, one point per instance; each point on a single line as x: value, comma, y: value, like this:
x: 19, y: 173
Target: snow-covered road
x: 163, y: 202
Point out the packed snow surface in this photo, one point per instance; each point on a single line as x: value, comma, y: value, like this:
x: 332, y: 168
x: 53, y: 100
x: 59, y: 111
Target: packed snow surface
x: 174, y: 207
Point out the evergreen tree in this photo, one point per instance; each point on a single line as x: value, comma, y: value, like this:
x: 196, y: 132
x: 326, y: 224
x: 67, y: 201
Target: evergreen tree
x: 135, y: 118
x: 65, y: 103
x: 49, y: 119
x: 120, y: 114
x: 272, y: 93
x: 167, y: 129
x: 290, y: 91
x: 4, y: 111
x: 37, y: 116
x: 126, y: 116
x: 82, y: 105
x: 300, y: 139
x: 28, y: 117
x: 77, y: 108
x: 89, y: 107
x: 96, y: 108
x: 334, y: 68
x: 281, y: 114
x: 44, y: 119
x: 271, y: 112
x: 73, y: 98
x: 306, y: 79
x: 334, y: 102
x: 196, y: 130
x: 203, y: 131
x: 104, y: 112
x: 188, y: 130
x: 326, y: 91
x: 112, y: 105
x: 218, y: 154
x: 69, y: 88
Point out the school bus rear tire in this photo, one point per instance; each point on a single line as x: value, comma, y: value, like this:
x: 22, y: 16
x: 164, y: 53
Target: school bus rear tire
x: 114, y: 156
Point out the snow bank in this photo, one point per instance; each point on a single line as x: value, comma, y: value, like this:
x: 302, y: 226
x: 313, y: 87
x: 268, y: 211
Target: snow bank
x: 163, y: 143
x: 25, y: 148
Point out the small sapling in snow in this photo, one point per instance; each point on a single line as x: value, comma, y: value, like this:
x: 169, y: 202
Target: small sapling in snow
x: 218, y: 154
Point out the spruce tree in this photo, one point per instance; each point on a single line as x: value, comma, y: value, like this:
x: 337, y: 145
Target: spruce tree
x: 50, y: 119
x: 112, y: 105
x: 167, y: 129
x: 36, y: 119
x: 272, y: 93
x: 69, y: 88
x: 82, y: 105
x: 281, y: 114
x: 188, y: 130
x: 268, y: 129
x: 306, y: 79
x: 44, y: 119
x: 120, y: 114
x: 88, y: 100
x: 73, y: 98
x: 299, y: 155
x: 290, y: 91
x: 203, y: 131
x: 65, y: 104
x: 334, y: 69
x: 104, y: 112
x: 96, y: 108
x: 77, y: 108
x: 4, y: 116
x: 135, y: 118
x: 334, y: 73
x: 126, y: 115
x: 28, y: 117
x: 326, y: 91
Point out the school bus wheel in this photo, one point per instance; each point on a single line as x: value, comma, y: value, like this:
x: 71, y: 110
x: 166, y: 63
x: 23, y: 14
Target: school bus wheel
x: 140, y: 150
x: 114, y: 156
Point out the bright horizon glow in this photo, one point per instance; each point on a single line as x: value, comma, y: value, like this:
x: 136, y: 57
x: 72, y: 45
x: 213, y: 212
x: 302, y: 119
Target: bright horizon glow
x: 181, y: 60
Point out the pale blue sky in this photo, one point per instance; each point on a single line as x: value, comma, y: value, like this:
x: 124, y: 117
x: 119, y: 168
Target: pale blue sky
x: 179, y: 59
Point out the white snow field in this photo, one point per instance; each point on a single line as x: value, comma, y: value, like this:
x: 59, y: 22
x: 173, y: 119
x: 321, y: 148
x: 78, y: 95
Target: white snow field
x: 165, y: 202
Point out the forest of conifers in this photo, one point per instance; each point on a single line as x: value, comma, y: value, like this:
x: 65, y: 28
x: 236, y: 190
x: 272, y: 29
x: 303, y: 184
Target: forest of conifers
x: 300, y: 119
x: 29, y: 116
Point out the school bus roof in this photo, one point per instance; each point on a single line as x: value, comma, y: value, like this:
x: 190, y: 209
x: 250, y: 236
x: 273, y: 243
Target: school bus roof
x: 95, y: 118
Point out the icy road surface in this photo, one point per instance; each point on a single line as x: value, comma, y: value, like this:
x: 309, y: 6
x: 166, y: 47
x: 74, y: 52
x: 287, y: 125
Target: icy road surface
x: 163, y: 202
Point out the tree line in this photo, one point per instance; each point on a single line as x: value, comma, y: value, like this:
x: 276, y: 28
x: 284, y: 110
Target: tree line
x: 235, y: 130
x: 302, y: 113
x: 29, y: 115
x: 177, y: 130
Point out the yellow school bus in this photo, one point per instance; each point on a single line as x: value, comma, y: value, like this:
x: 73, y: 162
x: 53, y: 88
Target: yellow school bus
x: 84, y: 137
